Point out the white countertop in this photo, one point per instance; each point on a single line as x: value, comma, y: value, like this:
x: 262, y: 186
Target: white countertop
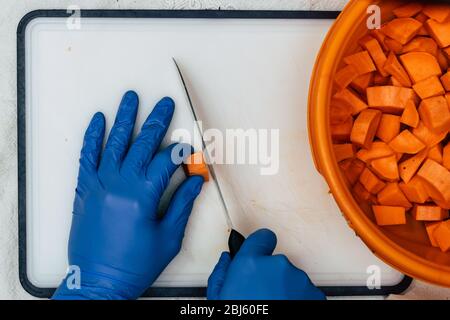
x: 11, y: 13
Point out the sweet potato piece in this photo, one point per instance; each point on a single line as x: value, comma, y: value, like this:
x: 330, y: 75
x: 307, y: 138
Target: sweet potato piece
x: 379, y: 80
x: 421, y: 44
x: 361, y: 61
x: 427, y: 136
x: 386, y: 168
x: 439, y: 32
x: 435, y: 114
x: 406, y: 142
x: 371, y: 182
x: 410, y: 115
x: 438, y: 12
x: 351, y: 100
x: 341, y: 132
x: 445, y: 80
x: 394, y: 46
x: 379, y: 36
x: 361, y: 83
x: 377, y: 150
x: 392, y: 195
x: 343, y: 151
x: 360, y: 192
x: 435, y: 153
x: 365, y: 128
x: 429, y: 213
x: 195, y: 165
x: 402, y: 29
x: 431, y: 227
x: 409, y: 167
x: 408, y: 10
x: 420, y: 65
x: 442, y: 60
x: 345, y: 76
x: 394, y: 68
x: 389, y: 99
x: 446, y: 156
x: 354, y: 170
x: 377, y: 54
x: 442, y: 235
x: 428, y: 88
x: 422, y: 18
x: 388, y: 215
x: 414, y: 190
x: 438, y: 177
x: 339, y: 112
x: 388, y: 128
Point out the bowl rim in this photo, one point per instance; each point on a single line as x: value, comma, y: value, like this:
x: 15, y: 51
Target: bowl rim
x: 321, y: 144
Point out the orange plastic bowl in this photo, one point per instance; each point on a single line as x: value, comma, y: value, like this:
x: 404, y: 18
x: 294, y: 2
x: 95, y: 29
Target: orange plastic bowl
x: 406, y: 247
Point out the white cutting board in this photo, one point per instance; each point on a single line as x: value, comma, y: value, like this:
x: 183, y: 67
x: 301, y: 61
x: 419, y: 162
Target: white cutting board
x: 242, y: 74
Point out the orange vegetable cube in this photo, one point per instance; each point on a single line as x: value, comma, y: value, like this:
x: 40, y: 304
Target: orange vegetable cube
x: 361, y: 61
x: 341, y: 132
x: 429, y: 213
x: 438, y: 12
x: 394, y: 68
x: 446, y: 156
x: 392, y: 195
x: 393, y: 45
x: 389, y: 99
x: 377, y: 54
x: 406, y: 142
x: 343, y: 151
x: 428, y: 88
x: 360, y: 192
x: 378, y: 149
x: 420, y: 65
x: 442, y: 236
x: 410, y: 115
x: 371, y: 182
x: 427, y: 136
x: 414, y: 190
x: 402, y: 29
x: 195, y: 165
x: 421, y: 44
x: 351, y: 100
x: 386, y: 168
x: 430, y: 228
x: 439, y: 32
x: 438, y: 177
x: 365, y: 128
x: 388, y: 128
x: 445, y: 79
x: 345, y: 76
x: 408, y: 10
x: 354, y: 170
x: 409, y: 167
x: 435, y: 114
x: 361, y: 83
x: 435, y: 153
x: 388, y: 215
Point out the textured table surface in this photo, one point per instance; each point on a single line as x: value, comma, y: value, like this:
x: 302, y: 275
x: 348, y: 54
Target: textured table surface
x: 10, y: 14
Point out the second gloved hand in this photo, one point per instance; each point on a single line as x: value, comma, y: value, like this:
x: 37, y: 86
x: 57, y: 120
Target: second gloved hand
x: 254, y: 274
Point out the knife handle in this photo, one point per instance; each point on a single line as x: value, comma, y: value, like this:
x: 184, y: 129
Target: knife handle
x: 235, y: 241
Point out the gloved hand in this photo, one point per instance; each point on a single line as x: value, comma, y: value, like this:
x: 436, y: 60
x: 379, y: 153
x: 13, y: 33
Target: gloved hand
x: 254, y: 274
x: 117, y: 239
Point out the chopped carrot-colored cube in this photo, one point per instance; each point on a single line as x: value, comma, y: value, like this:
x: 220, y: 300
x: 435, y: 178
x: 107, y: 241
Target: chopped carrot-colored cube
x: 402, y: 29
x: 393, y: 45
x: 427, y: 136
x: 341, y: 132
x: 421, y: 44
x: 438, y: 177
x: 378, y: 149
x: 371, y: 182
x: 365, y: 128
x: 360, y: 192
x: 345, y: 76
x: 392, y: 195
x: 394, y: 68
x: 339, y: 112
x: 439, y: 32
x: 377, y: 54
x: 389, y: 99
x: 408, y: 10
x: 406, y: 142
x: 361, y: 83
x: 446, y: 156
x: 195, y: 165
x: 409, y: 167
x: 414, y: 190
x: 435, y: 114
x: 389, y: 127
x: 386, y: 168
x: 445, y: 79
x: 361, y: 61
x: 410, y: 115
x: 420, y: 65
x: 428, y: 88
x: 435, y: 153
x: 442, y: 235
x: 429, y: 213
x: 438, y: 12
x: 351, y: 100
x: 354, y: 170
x: 430, y: 228
x: 389, y: 215
x: 343, y: 151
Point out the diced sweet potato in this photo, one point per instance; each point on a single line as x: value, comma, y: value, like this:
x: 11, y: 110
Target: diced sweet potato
x: 354, y: 170
x: 371, y: 182
x: 361, y: 61
x: 394, y: 68
x: 343, y: 151
x: 428, y: 88
x: 438, y: 12
x: 442, y: 60
x: 351, y: 100
x: 377, y: 54
x: 341, y: 132
x: 389, y: 99
x: 439, y: 32
x: 388, y: 128
x: 438, y: 177
x: 379, y: 80
x: 414, y: 190
x: 429, y: 213
x: 435, y: 114
x: 361, y: 83
x: 386, y: 168
x: 377, y: 150
x: 446, y: 156
x: 365, y: 128
x: 442, y: 235
x: 408, y: 10
x: 393, y: 45
x: 392, y: 195
x: 409, y: 167
x: 435, y: 153
x: 195, y: 165
x: 345, y: 76
x: 402, y: 29
x: 339, y: 112
x: 406, y: 142
x: 430, y: 228
x: 388, y: 215
x: 360, y: 192
x: 421, y: 44
x: 420, y: 65
x: 410, y: 115
x: 445, y: 80
x: 427, y: 136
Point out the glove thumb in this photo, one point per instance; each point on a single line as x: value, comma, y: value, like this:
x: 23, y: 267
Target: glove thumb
x: 217, y: 277
x: 260, y: 243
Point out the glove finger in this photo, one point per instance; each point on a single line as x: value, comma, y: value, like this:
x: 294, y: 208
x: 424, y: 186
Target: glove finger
x: 147, y: 143
x: 180, y: 206
x: 309, y: 291
x: 217, y: 277
x: 259, y: 243
x: 92, y: 144
x: 164, y: 165
x: 120, y: 135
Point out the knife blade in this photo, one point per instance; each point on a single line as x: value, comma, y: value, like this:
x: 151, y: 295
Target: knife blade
x: 235, y: 239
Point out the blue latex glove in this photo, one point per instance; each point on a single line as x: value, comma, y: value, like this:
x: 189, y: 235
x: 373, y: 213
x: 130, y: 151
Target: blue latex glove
x: 254, y: 274
x: 117, y: 239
